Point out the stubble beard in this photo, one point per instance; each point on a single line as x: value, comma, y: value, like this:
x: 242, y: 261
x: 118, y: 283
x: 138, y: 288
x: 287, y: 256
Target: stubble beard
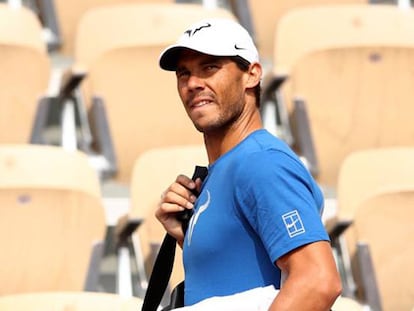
x: 223, y: 121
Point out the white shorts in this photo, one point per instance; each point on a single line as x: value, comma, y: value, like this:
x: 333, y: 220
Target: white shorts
x: 256, y: 299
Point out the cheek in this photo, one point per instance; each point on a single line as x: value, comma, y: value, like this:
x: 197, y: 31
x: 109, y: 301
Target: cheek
x: 181, y: 91
x: 231, y: 92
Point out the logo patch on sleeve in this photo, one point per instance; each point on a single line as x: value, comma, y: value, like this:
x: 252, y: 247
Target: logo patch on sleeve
x: 293, y: 223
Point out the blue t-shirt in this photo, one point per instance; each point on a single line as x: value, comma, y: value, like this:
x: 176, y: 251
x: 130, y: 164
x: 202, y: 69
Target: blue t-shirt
x: 257, y: 203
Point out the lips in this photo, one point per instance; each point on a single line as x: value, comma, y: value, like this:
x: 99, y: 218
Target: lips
x: 200, y: 102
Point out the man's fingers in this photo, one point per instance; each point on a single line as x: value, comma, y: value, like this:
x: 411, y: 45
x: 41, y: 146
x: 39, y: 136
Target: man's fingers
x: 178, y: 197
x: 186, y: 181
x: 180, y: 190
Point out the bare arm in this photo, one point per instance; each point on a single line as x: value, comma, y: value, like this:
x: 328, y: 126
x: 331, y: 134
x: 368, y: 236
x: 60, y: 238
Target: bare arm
x: 312, y: 282
x: 176, y: 198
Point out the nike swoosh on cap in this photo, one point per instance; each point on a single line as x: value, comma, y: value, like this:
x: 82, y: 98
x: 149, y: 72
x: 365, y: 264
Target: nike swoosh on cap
x: 238, y: 48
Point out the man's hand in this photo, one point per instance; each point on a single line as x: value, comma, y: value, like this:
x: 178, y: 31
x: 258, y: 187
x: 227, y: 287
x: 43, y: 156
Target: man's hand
x: 178, y: 197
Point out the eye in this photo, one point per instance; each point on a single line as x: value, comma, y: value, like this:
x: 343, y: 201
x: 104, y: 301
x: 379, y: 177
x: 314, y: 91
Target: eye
x: 210, y: 67
x: 182, y: 73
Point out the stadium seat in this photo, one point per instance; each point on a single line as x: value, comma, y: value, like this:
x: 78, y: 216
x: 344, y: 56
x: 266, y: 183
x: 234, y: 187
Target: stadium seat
x: 65, y: 301
x: 52, y: 220
x: 385, y: 250
x: 266, y: 15
x: 69, y: 13
x: 154, y: 170
x: 366, y: 171
x: 278, y: 45
x: 135, y: 103
x: 25, y: 74
x: 340, y: 92
x: 347, y: 304
x: 375, y: 192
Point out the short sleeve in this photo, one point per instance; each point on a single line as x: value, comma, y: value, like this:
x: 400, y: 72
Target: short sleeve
x: 280, y: 200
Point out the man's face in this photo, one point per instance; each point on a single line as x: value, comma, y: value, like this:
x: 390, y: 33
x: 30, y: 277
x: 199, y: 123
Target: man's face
x: 212, y: 90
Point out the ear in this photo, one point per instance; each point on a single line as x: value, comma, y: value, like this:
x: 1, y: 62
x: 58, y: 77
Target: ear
x: 255, y: 74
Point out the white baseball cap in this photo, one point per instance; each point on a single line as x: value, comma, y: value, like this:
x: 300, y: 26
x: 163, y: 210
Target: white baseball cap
x: 216, y: 37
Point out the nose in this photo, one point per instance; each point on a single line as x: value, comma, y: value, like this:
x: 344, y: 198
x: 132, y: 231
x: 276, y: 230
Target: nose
x: 195, y: 82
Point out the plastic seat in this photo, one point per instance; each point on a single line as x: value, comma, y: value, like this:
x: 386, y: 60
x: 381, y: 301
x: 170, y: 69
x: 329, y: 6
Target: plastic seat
x: 52, y: 220
x: 339, y: 94
x: 385, y: 249
x: 69, y: 13
x: 266, y: 16
x: 375, y: 192
x: 25, y: 74
x: 351, y: 25
x: 63, y: 301
x: 365, y: 172
x: 347, y: 304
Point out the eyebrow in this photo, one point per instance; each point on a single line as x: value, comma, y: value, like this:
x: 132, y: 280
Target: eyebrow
x: 208, y: 59
x: 220, y: 59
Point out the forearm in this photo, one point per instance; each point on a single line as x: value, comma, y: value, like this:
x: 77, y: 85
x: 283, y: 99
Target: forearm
x: 301, y: 295
x: 312, y: 282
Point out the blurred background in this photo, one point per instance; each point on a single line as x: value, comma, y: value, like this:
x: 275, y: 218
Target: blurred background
x: 92, y: 132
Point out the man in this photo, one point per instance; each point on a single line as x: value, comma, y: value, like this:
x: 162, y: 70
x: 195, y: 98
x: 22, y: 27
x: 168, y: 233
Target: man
x: 257, y: 217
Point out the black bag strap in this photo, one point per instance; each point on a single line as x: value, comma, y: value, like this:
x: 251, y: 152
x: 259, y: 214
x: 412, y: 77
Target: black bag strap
x: 176, y: 298
x: 163, y: 265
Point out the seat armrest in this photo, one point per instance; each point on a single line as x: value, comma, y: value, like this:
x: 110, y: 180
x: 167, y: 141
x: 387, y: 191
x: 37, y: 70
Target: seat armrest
x: 70, y: 81
x: 92, y: 277
x: 369, y: 283
x: 40, y: 120
x: 124, y: 228
x: 303, y: 136
x: 102, y: 137
x: 271, y: 83
x: 336, y: 227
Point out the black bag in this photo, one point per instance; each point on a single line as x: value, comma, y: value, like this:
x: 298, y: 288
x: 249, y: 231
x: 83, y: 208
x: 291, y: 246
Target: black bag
x: 163, y: 265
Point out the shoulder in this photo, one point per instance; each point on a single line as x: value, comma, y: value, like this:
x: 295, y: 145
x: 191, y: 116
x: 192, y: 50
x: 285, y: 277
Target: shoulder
x: 269, y: 165
x: 266, y: 155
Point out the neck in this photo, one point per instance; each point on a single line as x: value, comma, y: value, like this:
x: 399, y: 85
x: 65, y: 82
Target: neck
x: 221, y: 141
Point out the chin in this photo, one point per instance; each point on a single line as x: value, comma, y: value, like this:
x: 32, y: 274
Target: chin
x: 208, y: 125
x: 199, y: 128
x: 208, y: 129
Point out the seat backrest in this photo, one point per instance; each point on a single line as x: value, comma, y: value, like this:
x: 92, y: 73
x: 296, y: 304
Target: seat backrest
x: 64, y: 301
x: 142, y: 103
x: 154, y: 171
x: 266, y: 15
x: 303, y: 30
x: 69, y: 13
x: 20, y: 27
x: 347, y: 304
x: 385, y: 222
x: 25, y: 71
x: 368, y: 171
x: 130, y: 24
x: 368, y: 181
x: 353, y: 104
x: 51, y: 217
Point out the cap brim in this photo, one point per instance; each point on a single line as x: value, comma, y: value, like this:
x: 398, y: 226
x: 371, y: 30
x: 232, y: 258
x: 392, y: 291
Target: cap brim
x: 169, y: 58
x: 171, y: 55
